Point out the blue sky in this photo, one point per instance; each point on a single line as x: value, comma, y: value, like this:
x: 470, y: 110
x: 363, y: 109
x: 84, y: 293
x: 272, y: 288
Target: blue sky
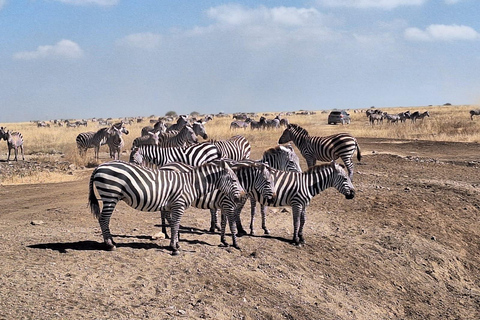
x: 114, y: 58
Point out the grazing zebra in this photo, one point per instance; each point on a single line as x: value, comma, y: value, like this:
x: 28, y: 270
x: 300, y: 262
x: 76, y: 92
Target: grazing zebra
x: 235, y: 148
x: 313, y: 148
x: 153, y: 190
x: 296, y: 189
x: 417, y: 115
x: 404, y: 116
x: 375, y: 117
x: 14, y: 141
x: 474, y: 113
x: 181, y: 122
x: 115, y: 141
x: 253, y: 176
x: 237, y: 124
x: 392, y: 118
x: 151, y: 155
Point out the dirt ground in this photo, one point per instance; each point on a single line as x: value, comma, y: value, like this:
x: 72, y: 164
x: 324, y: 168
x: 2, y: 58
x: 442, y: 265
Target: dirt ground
x: 407, y: 247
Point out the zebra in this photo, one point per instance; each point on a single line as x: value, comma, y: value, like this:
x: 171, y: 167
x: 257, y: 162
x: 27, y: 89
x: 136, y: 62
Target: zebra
x: 417, y: 115
x: 95, y: 140
x: 237, y: 124
x: 235, y: 148
x: 254, y: 176
x: 404, y: 116
x: 14, y: 141
x: 375, y: 117
x: 115, y: 141
x: 313, y: 148
x: 296, y: 189
x: 195, y: 155
x: 392, y: 118
x: 181, y: 122
x: 153, y: 190
x: 149, y: 138
x: 198, y: 128
x: 159, y: 126
x: 178, y: 139
x: 474, y: 113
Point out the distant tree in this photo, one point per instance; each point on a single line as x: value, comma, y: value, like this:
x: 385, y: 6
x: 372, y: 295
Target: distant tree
x: 195, y: 114
x: 171, y: 114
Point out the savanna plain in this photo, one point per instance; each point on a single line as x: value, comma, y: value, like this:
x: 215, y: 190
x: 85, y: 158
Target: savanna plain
x: 406, y: 247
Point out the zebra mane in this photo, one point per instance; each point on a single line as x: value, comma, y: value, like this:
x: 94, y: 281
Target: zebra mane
x: 321, y: 167
x: 296, y: 128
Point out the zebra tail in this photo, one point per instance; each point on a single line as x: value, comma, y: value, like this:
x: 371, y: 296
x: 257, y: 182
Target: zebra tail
x: 92, y: 200
x: 359, y: 155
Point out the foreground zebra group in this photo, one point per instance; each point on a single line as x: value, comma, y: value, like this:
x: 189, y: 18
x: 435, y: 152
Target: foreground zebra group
x: 214, y: 175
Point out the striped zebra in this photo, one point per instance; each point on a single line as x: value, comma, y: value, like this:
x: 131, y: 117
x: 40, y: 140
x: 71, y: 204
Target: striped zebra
x: 151, y: 155
x: 149, y: 138
x: 153, y: 190
x: 181, y: 122
x: 14, y: 141
x: 296, y: 189
x: 417, y: 115
x: 90, y: 139
x: 313, y: 148
x: 474, y: 113
x: 235, y: 148
x: 254, y: 176
x: 178, y: 139
x: 115, y: 141
x: 159, y: 126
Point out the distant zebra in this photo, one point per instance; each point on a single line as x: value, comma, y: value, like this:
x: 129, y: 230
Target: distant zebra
x: 235, y: 148
x: 90, y: 139
x: 115, y: 141
x: 474, y: 113
x: 296, y: 189
x: 404, y: 116
x: 329, y: 148
x: 178, y: 139
x: 14, y: 141
x: 198, y: 128
x: 253, y: 176
x: 239, y: 124
x: 149, y: 138
x: 158, y: 127
x: 151, y: 155
x: 417, y: 115
x: 153, y: 190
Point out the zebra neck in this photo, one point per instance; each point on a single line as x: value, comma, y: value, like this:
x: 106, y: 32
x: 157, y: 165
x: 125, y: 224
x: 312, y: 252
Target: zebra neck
x: 317, y: 181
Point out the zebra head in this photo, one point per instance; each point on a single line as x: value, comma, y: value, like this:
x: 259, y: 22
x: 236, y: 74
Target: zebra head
x: 341, y: 181
x: 199, y: 129
x: 292, y: 133
x: 264, y: 183
x: 292, y: 162
x: 136, y: 156
x: 228, y: 183
x: 3, y: 133
x: 258, y: 177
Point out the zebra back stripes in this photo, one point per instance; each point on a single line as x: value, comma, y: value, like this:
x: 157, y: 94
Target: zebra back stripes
x: 329, y: 148
x: 296, y: 189
x: 252, y: 175
x: 151, y: 155
x: 178, y: 139
x: 235, y: 148
x: 14, y: 141
x: 156, y: 190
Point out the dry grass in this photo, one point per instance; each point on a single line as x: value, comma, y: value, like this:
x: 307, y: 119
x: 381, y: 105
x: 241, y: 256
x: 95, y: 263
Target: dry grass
x: 446, y: 123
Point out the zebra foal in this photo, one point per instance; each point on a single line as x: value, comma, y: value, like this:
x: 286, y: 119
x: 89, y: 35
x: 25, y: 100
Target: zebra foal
x: 329, y: 148
x: 14, y: 141
x: 153, y: 190
x: 296, y: 189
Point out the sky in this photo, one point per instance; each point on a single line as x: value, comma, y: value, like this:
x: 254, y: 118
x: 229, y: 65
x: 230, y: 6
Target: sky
x: 73, y: 59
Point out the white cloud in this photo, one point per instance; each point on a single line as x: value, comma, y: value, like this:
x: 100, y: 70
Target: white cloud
x: 91, y: 2
x: 441, y: 32
x: 364, y: 4
x: 146, y: 40
x: 62, y: 49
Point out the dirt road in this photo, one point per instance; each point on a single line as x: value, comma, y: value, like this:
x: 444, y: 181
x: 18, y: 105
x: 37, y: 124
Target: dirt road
x: 407, y: 247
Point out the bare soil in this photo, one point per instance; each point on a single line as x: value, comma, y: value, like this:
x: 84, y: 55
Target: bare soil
x: 407, y: 247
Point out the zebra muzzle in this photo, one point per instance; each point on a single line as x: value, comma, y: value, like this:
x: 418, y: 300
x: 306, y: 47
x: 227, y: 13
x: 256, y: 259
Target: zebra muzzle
x: 350, y: 195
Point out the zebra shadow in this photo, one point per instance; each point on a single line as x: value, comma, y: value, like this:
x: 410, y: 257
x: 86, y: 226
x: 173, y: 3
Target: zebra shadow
x: 62, y: 247
x: 267, y: 236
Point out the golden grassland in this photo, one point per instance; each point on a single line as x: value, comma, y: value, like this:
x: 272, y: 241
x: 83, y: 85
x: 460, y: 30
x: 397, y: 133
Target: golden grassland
x: 446, y: 123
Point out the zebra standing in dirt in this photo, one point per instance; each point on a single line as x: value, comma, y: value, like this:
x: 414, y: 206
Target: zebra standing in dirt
x: 14, y: 141
x: 329, y: 148
x: 235, y: 148
x: 253, y: 176
x: 296, y: 189
x: 151, y: 155
x: 153, y: 190
x: 90, y: 139
x: 115, y: 141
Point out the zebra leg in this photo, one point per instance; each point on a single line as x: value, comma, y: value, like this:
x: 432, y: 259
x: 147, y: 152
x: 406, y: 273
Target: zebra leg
x: 240, y: 230
x: 223, y: 225
x: 264, y: 219
x: 296, y: 210
x: 349, y: 164
x: 176, y: 214
x: 213, y: 220
x: 302, y: 223
x: 252, y: 216
x: 104, y: 221
x: 23, y: 155
x: 165, y: 216
x: 229, y: 214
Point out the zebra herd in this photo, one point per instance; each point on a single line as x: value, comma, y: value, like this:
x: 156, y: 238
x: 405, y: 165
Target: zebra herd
x: 220, y: 175
x: 376, y: 116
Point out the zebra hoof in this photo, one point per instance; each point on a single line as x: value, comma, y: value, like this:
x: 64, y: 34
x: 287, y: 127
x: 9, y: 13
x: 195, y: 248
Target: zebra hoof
x: 241, y: 233
x: 175, y: 253
x: 223, y: 245
x: 110, y: 245
x: 266, y: 231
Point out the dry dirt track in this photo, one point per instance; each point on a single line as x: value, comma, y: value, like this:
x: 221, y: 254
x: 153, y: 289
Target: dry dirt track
x: 407, y: 247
